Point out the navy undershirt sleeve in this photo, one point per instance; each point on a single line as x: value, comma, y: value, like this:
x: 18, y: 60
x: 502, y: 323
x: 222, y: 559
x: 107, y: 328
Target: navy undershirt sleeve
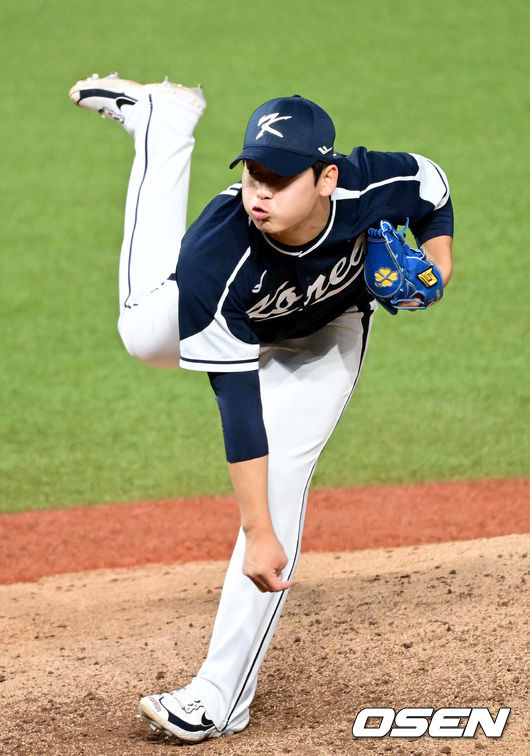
x: 438, y: 223
x: 239, y: 399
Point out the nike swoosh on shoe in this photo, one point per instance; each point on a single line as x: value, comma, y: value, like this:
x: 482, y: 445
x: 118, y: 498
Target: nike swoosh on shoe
x: 120, y: 99
x: 206, y: 723
x: 125, y: 100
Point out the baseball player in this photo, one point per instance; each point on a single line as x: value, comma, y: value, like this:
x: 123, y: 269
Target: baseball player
x: 271, y: 291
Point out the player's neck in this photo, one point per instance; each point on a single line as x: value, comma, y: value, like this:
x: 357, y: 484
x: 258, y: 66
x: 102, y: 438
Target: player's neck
x: 308, y: 229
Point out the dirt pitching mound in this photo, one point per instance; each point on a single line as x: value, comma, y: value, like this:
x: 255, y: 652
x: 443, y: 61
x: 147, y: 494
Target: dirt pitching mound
x: 435, y: 625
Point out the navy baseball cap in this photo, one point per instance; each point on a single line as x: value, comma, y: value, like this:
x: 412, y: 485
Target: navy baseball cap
x: 287, y: 135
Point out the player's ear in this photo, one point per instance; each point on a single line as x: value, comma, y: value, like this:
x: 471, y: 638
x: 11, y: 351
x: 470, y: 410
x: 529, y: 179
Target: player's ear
x: 328, y: 180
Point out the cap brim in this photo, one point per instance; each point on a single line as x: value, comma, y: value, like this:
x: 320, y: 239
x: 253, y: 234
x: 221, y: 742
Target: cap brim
x: 280, y: 162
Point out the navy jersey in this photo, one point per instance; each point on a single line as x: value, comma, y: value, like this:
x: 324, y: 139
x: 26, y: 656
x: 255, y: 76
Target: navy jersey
x: 239, y: 289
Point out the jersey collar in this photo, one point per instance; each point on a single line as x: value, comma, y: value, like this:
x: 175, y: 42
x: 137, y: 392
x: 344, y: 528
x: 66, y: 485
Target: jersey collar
x: 308, y: 247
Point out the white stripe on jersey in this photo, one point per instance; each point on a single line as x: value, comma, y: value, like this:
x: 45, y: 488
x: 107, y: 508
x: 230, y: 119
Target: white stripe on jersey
x: 220, y: 366
x: 434, y: 187
x: 230, y: 279
x: 342, y: 194
x: 216, y: 348
x: 232, y: 190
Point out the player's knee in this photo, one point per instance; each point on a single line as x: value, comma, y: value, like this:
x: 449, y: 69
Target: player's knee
x: 144, y: 345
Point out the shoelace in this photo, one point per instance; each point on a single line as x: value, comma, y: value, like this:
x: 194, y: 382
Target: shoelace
x: 188, y: 706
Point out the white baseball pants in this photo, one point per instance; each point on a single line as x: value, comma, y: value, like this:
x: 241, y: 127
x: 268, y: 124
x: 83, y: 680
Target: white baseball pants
x: 305, y: 386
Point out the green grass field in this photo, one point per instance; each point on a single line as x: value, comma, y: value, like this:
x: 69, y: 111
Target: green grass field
x: 443, y: 394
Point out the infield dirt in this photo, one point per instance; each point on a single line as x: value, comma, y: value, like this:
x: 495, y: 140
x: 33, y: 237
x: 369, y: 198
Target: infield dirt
x: 435, y: 625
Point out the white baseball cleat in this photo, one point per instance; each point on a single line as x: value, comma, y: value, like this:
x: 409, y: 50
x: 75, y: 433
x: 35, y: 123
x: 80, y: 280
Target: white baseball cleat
x: 110, y: 95
x: 180, y: 715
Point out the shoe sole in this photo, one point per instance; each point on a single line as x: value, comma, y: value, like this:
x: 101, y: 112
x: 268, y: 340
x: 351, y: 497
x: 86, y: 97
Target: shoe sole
x: 113, y: 88
x: 107, y: 87
x: 159, y: 728
x: 151, y: 715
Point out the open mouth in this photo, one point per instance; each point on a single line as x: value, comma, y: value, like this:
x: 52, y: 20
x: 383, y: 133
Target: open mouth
x: 259, y: 213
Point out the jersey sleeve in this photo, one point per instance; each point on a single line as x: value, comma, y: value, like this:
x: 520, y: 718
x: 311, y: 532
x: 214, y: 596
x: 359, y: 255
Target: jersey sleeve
x: 215, y: 330
x: 434, y: 190
x: 401, y: 186
x: 438, y: 223
x: 432, y: 182
x: 239, y: 399
x: 218, y: 348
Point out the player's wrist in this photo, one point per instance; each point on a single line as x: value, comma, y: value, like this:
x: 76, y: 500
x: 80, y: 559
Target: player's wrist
x: 258, y: 529
x: 439, y: 252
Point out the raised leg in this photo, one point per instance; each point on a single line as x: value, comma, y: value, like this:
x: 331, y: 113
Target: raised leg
x: 155, y: 221
x: 161, y: 118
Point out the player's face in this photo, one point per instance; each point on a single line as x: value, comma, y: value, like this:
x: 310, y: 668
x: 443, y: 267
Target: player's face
x: 290, y: 209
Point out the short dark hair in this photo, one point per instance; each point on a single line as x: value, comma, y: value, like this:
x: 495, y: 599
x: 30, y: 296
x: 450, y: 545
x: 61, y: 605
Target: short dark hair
x: 318, y: 167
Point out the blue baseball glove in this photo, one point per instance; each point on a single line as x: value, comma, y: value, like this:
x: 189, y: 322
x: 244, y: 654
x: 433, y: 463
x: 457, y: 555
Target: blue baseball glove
x: 399, y: 277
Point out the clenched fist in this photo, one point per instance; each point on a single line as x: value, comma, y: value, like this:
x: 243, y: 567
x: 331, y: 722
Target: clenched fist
x: 264, y: 561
